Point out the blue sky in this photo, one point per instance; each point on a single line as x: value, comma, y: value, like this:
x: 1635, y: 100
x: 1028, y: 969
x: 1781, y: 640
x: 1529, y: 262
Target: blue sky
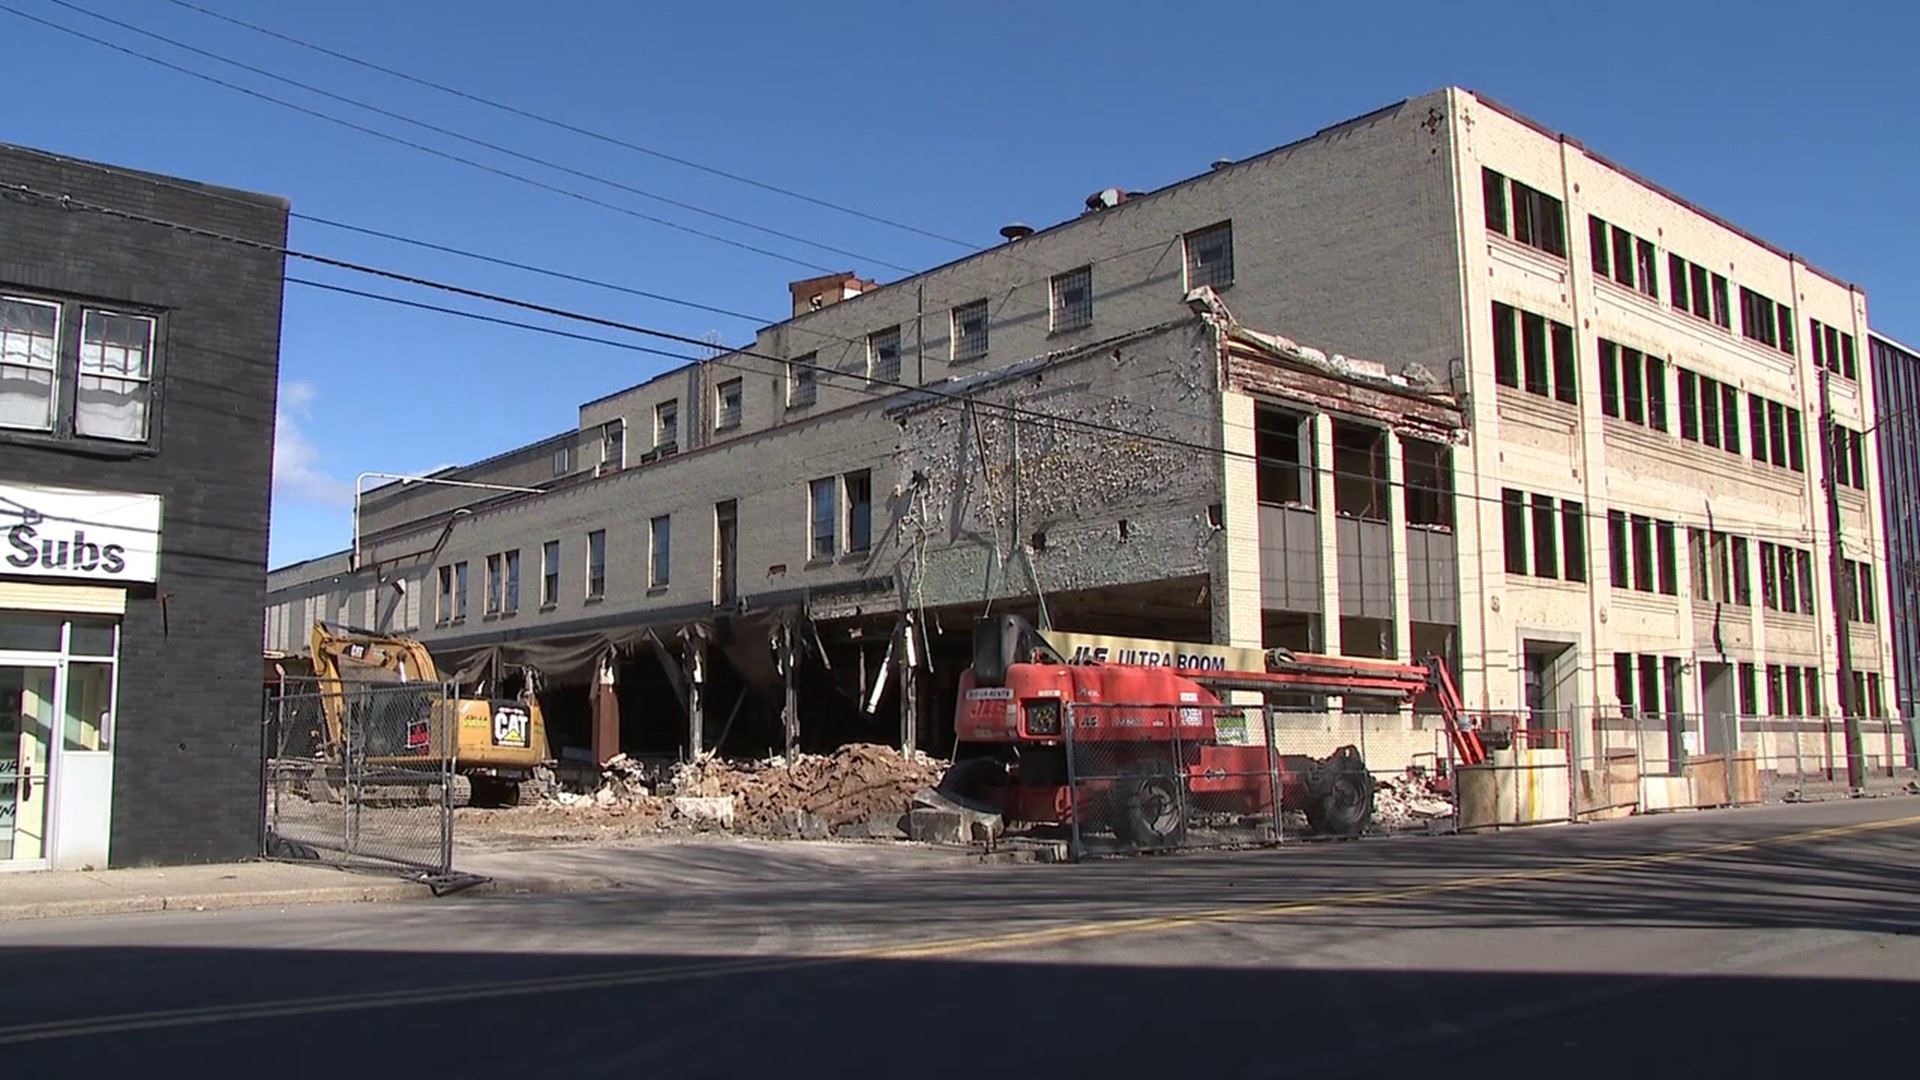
x: 956, y: 120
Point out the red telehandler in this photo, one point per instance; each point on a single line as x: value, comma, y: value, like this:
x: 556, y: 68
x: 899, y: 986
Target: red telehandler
x: 1152, y: 732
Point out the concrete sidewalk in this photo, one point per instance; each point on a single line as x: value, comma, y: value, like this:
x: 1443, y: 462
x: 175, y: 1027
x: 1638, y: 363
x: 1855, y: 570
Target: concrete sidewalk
x: 55, y: 894
x: 547, y: 869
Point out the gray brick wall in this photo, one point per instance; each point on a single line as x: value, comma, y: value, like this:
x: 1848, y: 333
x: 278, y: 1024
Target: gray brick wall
x: 186, y: 769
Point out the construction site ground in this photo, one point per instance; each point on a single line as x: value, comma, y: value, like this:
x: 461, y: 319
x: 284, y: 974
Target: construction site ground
x: 1764, y: 941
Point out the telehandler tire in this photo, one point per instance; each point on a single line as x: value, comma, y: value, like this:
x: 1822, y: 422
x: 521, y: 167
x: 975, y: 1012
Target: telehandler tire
x: 1150, y: 812
x: 1340, y: 795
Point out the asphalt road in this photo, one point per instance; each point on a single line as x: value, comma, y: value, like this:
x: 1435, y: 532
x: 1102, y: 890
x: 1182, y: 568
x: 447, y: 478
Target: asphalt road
x: 1756, y: 942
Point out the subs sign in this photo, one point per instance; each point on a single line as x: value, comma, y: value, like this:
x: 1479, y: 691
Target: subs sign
x: 96, y: 536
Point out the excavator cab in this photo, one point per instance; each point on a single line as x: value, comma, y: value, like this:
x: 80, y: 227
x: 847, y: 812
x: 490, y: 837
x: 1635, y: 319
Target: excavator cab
x: 498, y: 743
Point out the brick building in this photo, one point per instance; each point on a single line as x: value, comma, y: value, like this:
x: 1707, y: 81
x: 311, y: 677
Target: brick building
x: 1610, y: 496
x: 138, y: 365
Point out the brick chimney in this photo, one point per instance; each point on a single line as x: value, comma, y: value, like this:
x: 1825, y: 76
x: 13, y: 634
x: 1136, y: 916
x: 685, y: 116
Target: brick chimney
x: 816, y: 293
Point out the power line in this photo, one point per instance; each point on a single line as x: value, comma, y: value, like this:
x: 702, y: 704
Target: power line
x: 410, y: 144
x: 961, y: 399
x: 452, y: 134
x: 573, y: 128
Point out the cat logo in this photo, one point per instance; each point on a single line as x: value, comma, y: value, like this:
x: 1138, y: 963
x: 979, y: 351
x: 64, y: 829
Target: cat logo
x: 511, y: 726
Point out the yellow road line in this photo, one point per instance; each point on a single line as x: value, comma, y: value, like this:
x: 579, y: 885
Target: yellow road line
x: 949, y: 947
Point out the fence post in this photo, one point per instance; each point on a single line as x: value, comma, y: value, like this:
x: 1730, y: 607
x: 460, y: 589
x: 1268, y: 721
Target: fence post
x: 1071, y: 723
x: 449, y: 736
x: 1273, y: 770
x: 1886, y: 724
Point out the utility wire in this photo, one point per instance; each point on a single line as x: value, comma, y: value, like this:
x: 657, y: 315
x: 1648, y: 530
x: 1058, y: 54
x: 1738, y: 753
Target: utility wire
x: 422, y: 147
x: 471, y: 140
x: 957, y: 398
x: 575, y: 129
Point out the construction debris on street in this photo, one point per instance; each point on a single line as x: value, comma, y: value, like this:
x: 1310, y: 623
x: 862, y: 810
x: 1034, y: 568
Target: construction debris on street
x: 1408, y: 800
x: 859, y: 791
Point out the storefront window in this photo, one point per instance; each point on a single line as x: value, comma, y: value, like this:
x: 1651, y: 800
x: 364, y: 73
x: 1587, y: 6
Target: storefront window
x: 26, y: 632
x: 89, y: 720
x: 92, y: 637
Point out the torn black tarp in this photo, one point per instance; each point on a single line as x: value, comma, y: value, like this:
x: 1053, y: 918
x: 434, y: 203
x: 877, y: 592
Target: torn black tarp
x: 745, y: 639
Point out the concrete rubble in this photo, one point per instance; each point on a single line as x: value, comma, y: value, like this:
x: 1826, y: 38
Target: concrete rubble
x: 861, y: 791
x: 1408, y: 800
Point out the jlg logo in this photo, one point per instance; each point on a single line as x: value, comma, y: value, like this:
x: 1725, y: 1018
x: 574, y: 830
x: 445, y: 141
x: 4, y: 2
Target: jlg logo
x: 76, y: 554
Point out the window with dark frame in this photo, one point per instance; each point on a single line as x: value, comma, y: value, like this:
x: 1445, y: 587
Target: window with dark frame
x: 1573, y: 539
x: 1209, y: 256
x: 550, y: 573
x: 883, y: 354
x: 1832, y: 349
x: 1643, y: 574
x: 1072, y: 294
x: 510, y: 598
x: 1514, y: 512
x: 100, y: 387
x: 970, y: 331
x: 823, y: 518
x: 496, y: 580
x: 1689, y: 405
x: 1283, y: 445
x: 659, y: 551
x: 858, y: 491
x: 803, y: 384
x: 596, y: 564
x: 1546, y: 548
x: 727, y: 405
x: 1618, y: 551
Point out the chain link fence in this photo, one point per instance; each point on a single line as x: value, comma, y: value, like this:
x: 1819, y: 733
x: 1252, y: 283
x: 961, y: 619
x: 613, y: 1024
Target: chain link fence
x: 1159, y: 778
x: 361, y: 774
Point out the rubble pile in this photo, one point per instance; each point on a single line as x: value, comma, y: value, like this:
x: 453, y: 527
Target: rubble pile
x: 1408, y: 800
x: 814, y: 792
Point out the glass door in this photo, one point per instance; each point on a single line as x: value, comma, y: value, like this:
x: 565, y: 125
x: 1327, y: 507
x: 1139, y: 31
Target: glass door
x: 27, y: 710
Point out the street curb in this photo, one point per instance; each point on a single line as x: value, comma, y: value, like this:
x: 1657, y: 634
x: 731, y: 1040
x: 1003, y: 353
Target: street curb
x: 142, y: 905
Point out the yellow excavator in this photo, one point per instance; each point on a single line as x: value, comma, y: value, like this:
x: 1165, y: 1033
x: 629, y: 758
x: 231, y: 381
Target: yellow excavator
x: 499, y: 744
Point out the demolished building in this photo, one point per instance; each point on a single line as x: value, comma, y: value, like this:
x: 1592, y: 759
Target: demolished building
x: 814, y: 583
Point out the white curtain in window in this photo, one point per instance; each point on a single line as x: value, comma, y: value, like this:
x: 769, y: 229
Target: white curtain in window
x: 28, y: 337
x: 115, y: 358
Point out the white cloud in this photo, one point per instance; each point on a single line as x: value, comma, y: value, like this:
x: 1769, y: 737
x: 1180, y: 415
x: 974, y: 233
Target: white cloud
x: 297, y: 468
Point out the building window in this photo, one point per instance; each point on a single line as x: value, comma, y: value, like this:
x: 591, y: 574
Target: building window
x: 803, y: 387
x: 1573, y: 539
x: 1860, y: 605
x: 496, y: 579
x: 443, y: 602
x: 1848, y: 455
x: 549, y: 573
x: 883, y: 355
x: 726, y: 402
x: 726, y: 551
x: 114, y: 371
x: 1557, y: 530
x: 1545, y: 547
x: 596, y: 564
x: 116, y: 374
x: 1633, y: 385
x: 562, y: 460
x: 1622, y: 256
x: 1283, y: 445
x: 1073, y: 299
x: 659, y: 551
x: 1832, y: 349
x: 1665, y: 538
x: 822, y: 518
x: 1429, y: 482
x: 510, y: 598
x: 459, y: 591
x: 29, y: 347
x: 1532, y: 217
x: 1514, y: 511
x: 1618, y: 553
x: 1709, y: 411
x: 1533, y: 351
x: 1209, y: 254
x: 1643, y: 578
x: 970, y: 331
x: 1764, y: 321
x: 1786, y: 579
x: 859, y: 501
x: 613, y: 446
x: 1742, y: 573
x: 1699, y: 291
x: 666, y: 425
